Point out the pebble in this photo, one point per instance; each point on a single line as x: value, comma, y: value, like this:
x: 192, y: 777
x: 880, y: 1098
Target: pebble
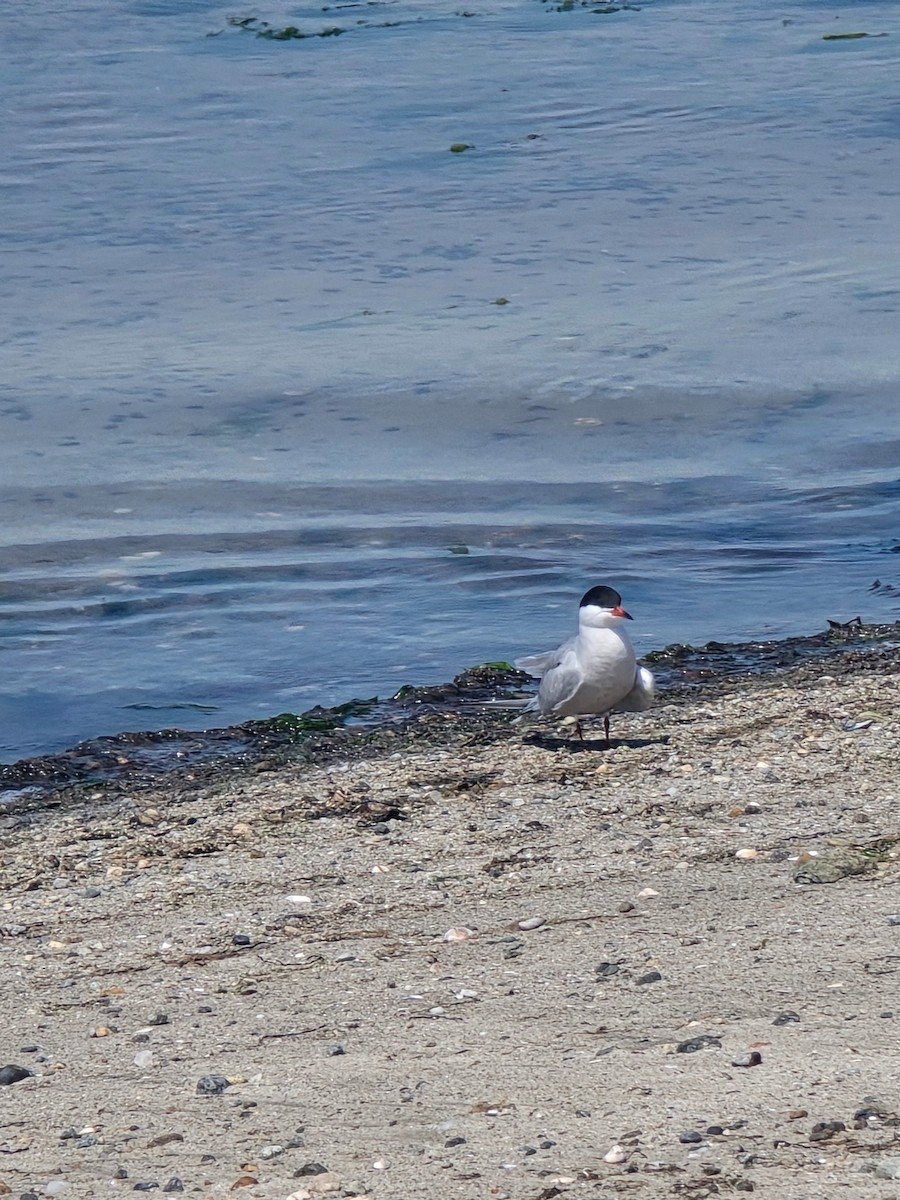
x: 459, y: 933
x: 625, y: 907
x: 91, y: 893
x: 336, y: 1050
x: 747, y: 853
x: 174, y: 1185
x: 753, y: 1059
x: 532, y: 923
x: 160, y: 1019
x: 454, y: 1141
x: 797, y: 1114
x: 212, y: 1085
x: 272, y: 1151
x: 13, y: 1074
x: 650, y: 977
x: 824, y: 1130
x: 690, y: 1137
x: 786, y: 1018
x: 143, y: 1058
x: 647, y: 894
x: 703, y: 1041
x: 606, y: 969
x: 888, y: 1168
x: 241, y: 939
x: 615, y: 1155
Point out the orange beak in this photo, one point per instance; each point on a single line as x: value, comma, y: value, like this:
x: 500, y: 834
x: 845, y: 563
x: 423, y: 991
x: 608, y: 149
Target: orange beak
x: 619, y: 611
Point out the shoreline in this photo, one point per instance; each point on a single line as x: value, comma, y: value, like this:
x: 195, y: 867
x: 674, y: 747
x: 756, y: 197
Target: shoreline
x: 476, y: 963
x: 361, y: 727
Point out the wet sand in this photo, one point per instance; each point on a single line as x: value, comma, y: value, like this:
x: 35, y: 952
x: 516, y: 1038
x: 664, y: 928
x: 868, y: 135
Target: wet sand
x: 641, y: 959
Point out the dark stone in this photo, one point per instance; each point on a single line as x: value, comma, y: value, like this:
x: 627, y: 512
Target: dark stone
x: 31, y: 1048
x: 715, y: 1130
x: 606, y: 969
x: 145, y: 1187
x: 702, y: 1042
x: 241, y: 939
x: 824, y: 1130
x: 690, y: 1137
x: 174, y: 1185
x: 91, y: 893
x: 159, y: 1019
x: 786, y: 1018
x: 336, y: 1050
x: 14, y: 1074
x: 310, y: 1168
x: 212, y: 1085
x: 650, y: 977
x: 455, y: 1141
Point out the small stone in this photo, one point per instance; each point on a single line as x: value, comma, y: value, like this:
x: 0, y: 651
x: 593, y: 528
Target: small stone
x: 91, y: 893
x: 101, y: 1031
x: 615, y: 1155
x: 532, y: 923
x: 159, y: 1019
x: 31, y: 1048
x: 327, y: 1181
x: 244, y: 1181
x: 797, y: 1114
x: 606, y: 969
x: 149, y: 1186
x: 143, y: 1059
x: 454, y: 1141
x: 823, y: 1130
x: 56, y: 1187
x: 703, y: 1041
x: 84, y: 1143
x: 887, y: 1168
x: 690, y: 1137
x: 715, y: 1130
x: 746, y: 854
x: 625, y: 907
x: 310, y: 1168
x: 459, y: 933
x: 13, y: 1074
x: 753, y: 1059
x: 165, y: 1139
x: 647, y: 894
x: 650, y: 977
x: 241, y: 939
x: 271, y: 1151
x: 336, y: 1050
x: 786, y: 1018
x: 212, y: 1085
x: 174, y: 1185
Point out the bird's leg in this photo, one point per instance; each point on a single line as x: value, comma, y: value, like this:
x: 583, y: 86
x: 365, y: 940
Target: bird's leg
x: 579, y: 731
x: 606, y: 728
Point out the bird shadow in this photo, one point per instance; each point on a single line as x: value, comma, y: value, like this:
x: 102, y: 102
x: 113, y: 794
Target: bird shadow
x: 590, y: 745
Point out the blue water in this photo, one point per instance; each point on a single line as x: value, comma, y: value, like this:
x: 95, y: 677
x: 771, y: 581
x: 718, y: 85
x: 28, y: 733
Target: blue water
x: 257, y: 383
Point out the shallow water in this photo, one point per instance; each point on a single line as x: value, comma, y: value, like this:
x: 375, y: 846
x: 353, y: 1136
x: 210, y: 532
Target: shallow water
x: 257, y: 384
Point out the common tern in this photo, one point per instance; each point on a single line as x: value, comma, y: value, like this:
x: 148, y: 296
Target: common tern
x: 594, y: 672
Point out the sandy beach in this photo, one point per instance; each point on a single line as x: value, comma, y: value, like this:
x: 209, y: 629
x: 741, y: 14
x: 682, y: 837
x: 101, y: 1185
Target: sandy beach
x: 474, y: 965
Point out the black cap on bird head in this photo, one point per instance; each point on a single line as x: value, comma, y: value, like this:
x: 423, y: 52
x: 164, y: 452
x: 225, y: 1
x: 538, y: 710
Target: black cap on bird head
x: 605, y: 597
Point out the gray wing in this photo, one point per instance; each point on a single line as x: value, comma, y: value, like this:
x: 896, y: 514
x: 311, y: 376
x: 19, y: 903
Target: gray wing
x: 641, y: 695
x: 560, y: 683
x: 539, y: 664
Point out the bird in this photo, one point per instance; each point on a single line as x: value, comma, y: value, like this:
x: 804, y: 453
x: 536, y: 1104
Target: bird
x: 594, y: 672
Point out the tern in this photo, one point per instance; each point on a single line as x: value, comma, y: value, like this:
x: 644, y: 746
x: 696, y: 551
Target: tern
x: 594, y: 672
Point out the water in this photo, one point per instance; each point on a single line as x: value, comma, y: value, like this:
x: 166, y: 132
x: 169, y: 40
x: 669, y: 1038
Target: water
x: 258, y: 392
